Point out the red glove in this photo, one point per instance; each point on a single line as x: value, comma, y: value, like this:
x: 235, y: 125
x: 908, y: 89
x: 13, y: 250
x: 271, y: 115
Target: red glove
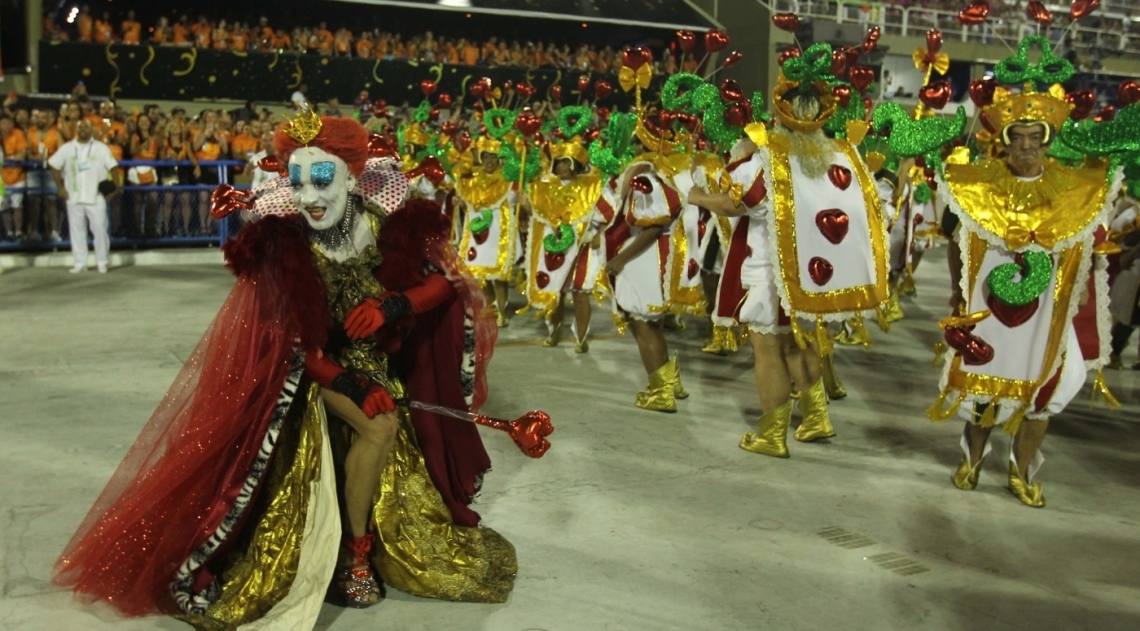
x: 377, y: 402
x: 365, y: 319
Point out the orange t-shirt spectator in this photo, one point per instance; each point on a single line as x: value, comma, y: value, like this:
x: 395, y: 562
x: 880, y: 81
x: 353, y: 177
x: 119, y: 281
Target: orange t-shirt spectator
x: 239, y: 41
x: 86, y: 27
x: 221, y: 38
x: 203, y: 38
x: 324, y: 41
x: 103, y: 32
x: 49, y: 138
x: 364, y: 48
x: 470, y: 54
x: 15, y: 148
x: 132, y: 33
x: 343, y: 42
x: 281, y: 40
x: 179, y: 34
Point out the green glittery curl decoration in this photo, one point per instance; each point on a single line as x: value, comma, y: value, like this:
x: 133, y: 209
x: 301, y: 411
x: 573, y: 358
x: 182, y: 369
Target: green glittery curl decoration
x: 561, y: 243
x: 721, y: 132
x: 581, y: 116
x: 1018, y: 70
x: 1035, y: 269
x: 677, y: 93
x: 922, y: 193
x: 910, y: 138
x: 758, y: 112
x: 813, y: 65
x: 1119, y: 135
x: 880, y: 145
x: 481, y: 221
x: 400, y: 144
x: 613, y: 148
x: 437, y: 148
x: 1064, y: 154
x: 499, y: 122
x: 422, y: 113
x: 512, y: 163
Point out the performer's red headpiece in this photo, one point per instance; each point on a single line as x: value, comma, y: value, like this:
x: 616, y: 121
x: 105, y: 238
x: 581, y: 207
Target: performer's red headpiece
x: 345, y: 138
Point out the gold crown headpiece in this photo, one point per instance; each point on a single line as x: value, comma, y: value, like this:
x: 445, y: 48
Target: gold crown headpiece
x: 783, y: 106
x: 667, y: 143
x: 572, y: 149
x: 304, y: 127
x: 1026, y: 108
x: 487, y: 144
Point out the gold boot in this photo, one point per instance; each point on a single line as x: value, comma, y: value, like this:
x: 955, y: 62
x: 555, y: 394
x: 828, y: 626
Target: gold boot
x: 1029, y: 494
x: 501, y: 319
x: 772, y: 439
x: 659, y: 395
x: 966, y: 477
x: 554, y: 338
x: 674, y: 377
x: 852, y: 335
x: 831, y: 382
x: 581, y: 346
x: 894, y: 309
x: 813, y: 409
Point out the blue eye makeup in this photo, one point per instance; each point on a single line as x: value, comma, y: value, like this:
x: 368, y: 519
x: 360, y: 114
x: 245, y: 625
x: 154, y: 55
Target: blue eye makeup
x: 322, y: 174
x: 295, y: 175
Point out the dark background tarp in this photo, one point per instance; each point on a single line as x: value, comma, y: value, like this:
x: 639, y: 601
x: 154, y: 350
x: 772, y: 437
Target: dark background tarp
x: 183, y: 74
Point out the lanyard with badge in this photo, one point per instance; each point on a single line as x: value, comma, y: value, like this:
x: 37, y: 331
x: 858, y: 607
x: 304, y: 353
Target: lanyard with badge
x: 85, y: 163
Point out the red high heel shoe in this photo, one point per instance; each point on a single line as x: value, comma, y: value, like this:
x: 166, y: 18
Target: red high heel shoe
x: 355, y: 583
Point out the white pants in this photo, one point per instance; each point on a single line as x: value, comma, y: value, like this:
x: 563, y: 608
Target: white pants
x: 78, y: 217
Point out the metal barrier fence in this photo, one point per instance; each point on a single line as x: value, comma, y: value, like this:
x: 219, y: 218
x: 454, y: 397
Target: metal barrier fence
x: 1108, y: 33
x: 170, y: 207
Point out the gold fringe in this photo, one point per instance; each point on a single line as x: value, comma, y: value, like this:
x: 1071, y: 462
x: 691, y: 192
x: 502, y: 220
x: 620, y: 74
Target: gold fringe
x: 936, y: 412
x: 860, y: 331
x: 823, y: 338
x: 1014, y: 423
x: 907, y: 287
x: 798, y: 332
x: 989, y: 417
x: 881, y: 318
x: 1100, y: 388
x: 620, y: 324
x: 963, y: 321
x: 939, y: 354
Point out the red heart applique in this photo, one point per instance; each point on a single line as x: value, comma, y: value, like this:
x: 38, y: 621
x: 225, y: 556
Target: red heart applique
x: 542, y: 279
x: 840, y: 176
x: 833, y: 223
x: 481, y: 236
x: 973, y: 349
x: 694, y: 269
x: 554, y: 261
x: 471, y: 254
x: 820, y: 270
x: 1011, y: 317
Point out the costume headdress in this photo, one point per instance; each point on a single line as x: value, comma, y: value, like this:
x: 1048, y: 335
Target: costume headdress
x: 1030, y: 106
x: 809, y: 72
x: 573, y: 121
x: 304, y: 127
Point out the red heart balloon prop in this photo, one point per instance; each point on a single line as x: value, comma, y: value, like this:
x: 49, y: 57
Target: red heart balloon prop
x: 1038, y: 13
x: 1081, y: 8
x: 427, y: 86
x: 985, y: 121
x: 715, y: 41
x: 820, y: 270
x: 739, y: 114
x: 542, y: 279
x: 641, y: 184
x: 936, y: 95
x: 666, y: 118
x: 872, y: 40
x: 733, y: 58
x: 592, y: 135
x: 861, y: 77
x: 527, y: 123
x: 433, y: 114
x: 933, y: 41
x: 556, y: 93
x: 1011, y: 317
x: 554, y: 261
x: 583, y: 83
x: 480, y: 239
x: 448, y: 128
x: 602, y: 89
x: 471, y: 253
x: 528, y: 432
x: 629, y: 58
x: 463, y: 140
x: 525, y: 90
x: 687, y: 41
x: 838, y: 62
x: 974, y: 13
x: 477, y: 90
x: 487, y: 84
x: 603, y: 114
x: 982, y: 91
x: 431, y: 169
x: 730, y: 91
x: 853, y: 53
x: 380, y: 106
x: 842, y: 94
x: 789, y: 22
x: 688, y: 121
x: 788, y: 53
x: 1082, y: 101
x: 974, y: 350
x: 1107, y: 113
x: 840, y: 176
x: 444, y: 100
x: 693, y: 269
x: 380, y: 147
x: 272, y: 165
x: 508, y: 85
x: 1128, y: 92
x: 833, y: 224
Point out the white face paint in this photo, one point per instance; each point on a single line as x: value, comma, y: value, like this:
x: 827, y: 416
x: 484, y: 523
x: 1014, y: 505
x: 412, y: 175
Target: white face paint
x: 321, y: 183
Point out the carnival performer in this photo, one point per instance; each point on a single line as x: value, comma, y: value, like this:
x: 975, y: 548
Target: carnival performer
x: 715, y: 238
x: 489, y: 201
x: 1020, y: 262
x: 569, y: 214
x: 813, y: 249
x: 349, y: 303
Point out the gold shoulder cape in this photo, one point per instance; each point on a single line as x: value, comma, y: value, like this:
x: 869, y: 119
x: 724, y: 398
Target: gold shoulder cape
x: 481, y: 190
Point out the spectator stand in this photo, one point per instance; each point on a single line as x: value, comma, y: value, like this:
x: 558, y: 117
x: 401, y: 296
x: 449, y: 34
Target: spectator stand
x: 143, y: 215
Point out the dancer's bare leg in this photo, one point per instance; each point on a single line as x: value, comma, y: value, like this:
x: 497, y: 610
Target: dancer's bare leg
x: 651, y: 344
x: 366, y: 458
x: 773, y: 381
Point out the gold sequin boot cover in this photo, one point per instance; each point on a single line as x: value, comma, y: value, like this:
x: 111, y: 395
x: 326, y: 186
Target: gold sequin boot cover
x: 659, y: 395
x: 816, y: 423
x: 966, y: 477
x: 772, y: 439
x: 831, y: 382
x: 1025, y: 490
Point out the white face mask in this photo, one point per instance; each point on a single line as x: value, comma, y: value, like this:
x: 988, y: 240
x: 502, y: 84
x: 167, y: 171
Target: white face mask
x: 321, y: 183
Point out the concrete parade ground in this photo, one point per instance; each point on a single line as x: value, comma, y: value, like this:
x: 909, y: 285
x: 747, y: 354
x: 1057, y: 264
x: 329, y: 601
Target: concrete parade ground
x: 634, y: 520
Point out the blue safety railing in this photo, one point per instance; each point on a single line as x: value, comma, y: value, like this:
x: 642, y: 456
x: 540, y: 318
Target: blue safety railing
x: 174, y: 211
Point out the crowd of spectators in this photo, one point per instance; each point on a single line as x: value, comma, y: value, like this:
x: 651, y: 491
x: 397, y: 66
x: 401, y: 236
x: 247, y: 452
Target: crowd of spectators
x: 321, y: 39
x: 30, y: 136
